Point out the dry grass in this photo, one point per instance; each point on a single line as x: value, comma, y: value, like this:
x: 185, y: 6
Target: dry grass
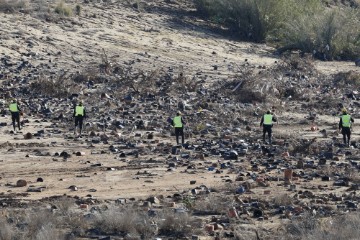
x: 116, y: 221
x: 119, y: 221
x: 39, y: 223
x: 282, y: 200
x: 176, y: 225
x: 48, y: 231
x: 350, y: 78
x: 12, y: 5
x: 213, y: 204
x: 64, y: 204
x: 6, y: 230
x: 62, y: 9
x: 307, y: 227
x: 59, y: 87
x: 248, y: 232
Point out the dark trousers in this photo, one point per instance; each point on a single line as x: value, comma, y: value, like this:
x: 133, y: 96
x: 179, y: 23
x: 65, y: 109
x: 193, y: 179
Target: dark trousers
x: 267, y: 129
x: 179, y: 131
x: 346, y: 132
x: 15, y: 117
x: 79, y: 122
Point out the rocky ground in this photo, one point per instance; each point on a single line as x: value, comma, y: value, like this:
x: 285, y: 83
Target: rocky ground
x: 134, y: 65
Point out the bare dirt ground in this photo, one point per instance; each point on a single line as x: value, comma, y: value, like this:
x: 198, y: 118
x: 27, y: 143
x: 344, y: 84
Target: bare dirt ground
x: 155, y: 35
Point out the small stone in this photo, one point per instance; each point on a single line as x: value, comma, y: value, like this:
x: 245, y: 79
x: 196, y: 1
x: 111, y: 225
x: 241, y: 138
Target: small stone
x: 80, y: 154
x: 28, y: 136
x: 84, y: 206
x: 39, y: 179
x: 192, y: 182
x: 73, y: 188
x: 64, y: 154
x: 325, y: 178
x: 154, y: 200
x: 120, y: 201
x: 150, y: 136
x: 258, y: 213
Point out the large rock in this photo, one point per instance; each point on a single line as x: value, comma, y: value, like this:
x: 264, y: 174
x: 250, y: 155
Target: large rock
x: 357, y: 62
x: 21, y: 183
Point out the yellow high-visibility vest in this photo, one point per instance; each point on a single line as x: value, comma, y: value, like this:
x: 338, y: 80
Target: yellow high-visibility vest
x: 177, y: 122
x: 268, y: 119
x: 13, y: 107
x: 346, y: 120
x: 79, y: 111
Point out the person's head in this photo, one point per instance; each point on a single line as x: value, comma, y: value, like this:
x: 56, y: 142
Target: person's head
x: 344, y: 111
x: 178, y: 113
x: 268, y: 111
x: 80, y: 102
x: 14, y: 100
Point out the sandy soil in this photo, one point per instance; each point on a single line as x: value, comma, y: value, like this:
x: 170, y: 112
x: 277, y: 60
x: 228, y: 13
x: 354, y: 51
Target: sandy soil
x: 156, y: 39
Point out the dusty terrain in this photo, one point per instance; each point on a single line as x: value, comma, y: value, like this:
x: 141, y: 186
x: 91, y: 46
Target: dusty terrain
x: 164, y: 35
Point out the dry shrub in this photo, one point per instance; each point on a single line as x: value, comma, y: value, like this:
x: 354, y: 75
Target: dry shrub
x: 215, y: 204
x: 120, y: 221
x: 185, y: 84
x: 288, y: 79
x: 351, y: 78
x: 305, y: 146
x: 62, y: 9
x: 247, y: 232
x: 245, y: 87
x: 48, y: 231
x: 12, y: 5
x: 76, y: 224
x: 7, y: 232
x: 352, y: 174
x: 145, y: 228
x: 41, y: 224
x: 302, y: 226
x: 116, y: 221
x: 282, y: 200
x: 175, y: 224
x: 59, y: 87
x: 307, y: 227
x: 64, y: 204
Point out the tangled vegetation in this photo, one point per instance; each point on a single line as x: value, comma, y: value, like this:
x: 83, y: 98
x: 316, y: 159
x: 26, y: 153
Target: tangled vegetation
x: 310, y: 26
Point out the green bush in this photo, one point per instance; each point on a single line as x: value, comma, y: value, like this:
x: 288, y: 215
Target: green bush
x: 63, y: 9
x: 305, y: 25
x: 249, y: 19
x: 329, y: 35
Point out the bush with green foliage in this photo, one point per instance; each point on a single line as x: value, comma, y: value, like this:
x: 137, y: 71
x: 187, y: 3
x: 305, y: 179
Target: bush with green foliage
x: 306, y: 25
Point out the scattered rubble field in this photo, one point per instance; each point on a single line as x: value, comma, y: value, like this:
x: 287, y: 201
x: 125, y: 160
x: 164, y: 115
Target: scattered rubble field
x: 135, y: 65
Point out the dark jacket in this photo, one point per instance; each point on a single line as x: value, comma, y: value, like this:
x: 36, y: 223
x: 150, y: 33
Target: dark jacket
x: 340, y: 122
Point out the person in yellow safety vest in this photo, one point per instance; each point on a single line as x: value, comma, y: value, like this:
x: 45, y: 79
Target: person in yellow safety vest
x: 15, y: 113
x: 79, y: 114
x: 267, y: 124
x: 345, y: 126
x: 178, y: 124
